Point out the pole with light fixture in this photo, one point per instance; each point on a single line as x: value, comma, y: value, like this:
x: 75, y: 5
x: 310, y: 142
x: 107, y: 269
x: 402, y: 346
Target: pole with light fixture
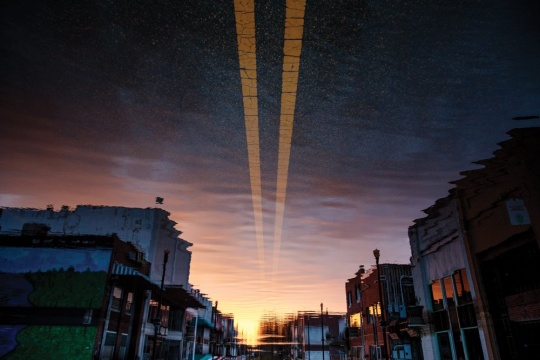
x: 195, y: 313
x: 322, y: 331
x: 308, y: 337
x: 157, y: 320
x: 377, y: 254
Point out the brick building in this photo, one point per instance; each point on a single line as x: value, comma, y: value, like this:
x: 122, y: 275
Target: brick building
x: 367, y: 324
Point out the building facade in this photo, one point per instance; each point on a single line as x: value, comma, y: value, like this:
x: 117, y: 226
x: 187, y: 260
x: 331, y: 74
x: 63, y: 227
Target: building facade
x: 390, y: 329
x: 319, y: 336
x: 150, y: 230
x: 476, y: 258
x: 73, y: 296
x: 500, y: 208
x: 162, y: 291
x: 442, y: 278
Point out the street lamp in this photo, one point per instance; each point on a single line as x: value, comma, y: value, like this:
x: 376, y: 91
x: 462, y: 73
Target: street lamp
x: 362, y: 334
x: 322, y: 331
x: 308, y: 340
x: 157, y: 320
x: 195, y: 313
x: 377, y: 254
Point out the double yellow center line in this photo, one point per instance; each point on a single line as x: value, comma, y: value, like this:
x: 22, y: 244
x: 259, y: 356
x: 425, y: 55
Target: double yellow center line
x: 245, y: 30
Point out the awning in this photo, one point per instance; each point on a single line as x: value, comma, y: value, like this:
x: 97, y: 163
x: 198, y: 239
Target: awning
x: 203, y: 356
x: 176, y: 295
x: 179, y: 297
x: 205, y: 323
x: 126, y: 271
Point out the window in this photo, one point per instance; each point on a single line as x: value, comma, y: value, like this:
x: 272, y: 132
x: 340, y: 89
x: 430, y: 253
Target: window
x: 440, y: 321
x: 154, y: 315
x: 448, y: 290
x: 87, y: 318
x: 129, y: 303
x: 463, y: 291
x: 152, y: 310
x: 407, y: 290
x: 108, y: 348
x: 473, y: 344
x: 372, y: 313
x: 445, y: 347
x: 357, y: 294
x: 175, y: 320
x: 117, y: 299
x: 437, y: 296
x: 375, y: 352
x: 454, y: 317
x: 467, y: 316
x: 349, y: 299
x: 355, y: 320
x: 165, y: 315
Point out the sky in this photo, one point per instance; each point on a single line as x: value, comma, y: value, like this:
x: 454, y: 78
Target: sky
x: 287, y: 144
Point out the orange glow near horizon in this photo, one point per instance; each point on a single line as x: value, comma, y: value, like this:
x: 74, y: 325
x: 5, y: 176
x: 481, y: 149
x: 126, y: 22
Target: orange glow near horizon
x: 247, y: 54
x: 248, y: 330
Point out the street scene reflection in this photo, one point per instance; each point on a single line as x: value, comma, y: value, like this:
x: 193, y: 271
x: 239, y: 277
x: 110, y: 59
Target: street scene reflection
x: 270, y: 179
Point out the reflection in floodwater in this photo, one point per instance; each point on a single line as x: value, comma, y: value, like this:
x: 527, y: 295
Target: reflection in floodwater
x: 306, y: 334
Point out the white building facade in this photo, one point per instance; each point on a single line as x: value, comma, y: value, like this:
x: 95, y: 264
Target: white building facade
x: 150, y: 230
x: 443, y: 286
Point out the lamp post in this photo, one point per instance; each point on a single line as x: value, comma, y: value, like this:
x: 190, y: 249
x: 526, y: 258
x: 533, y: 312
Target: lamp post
x: 195, y: 313
x: 308, y: 340
x: 322, y: 331
x: 362, y: 334
x: 377, y: 254
x: 157, y: 320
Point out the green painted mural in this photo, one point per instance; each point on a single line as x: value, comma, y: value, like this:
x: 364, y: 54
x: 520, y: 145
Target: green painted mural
x: 50, y: 301
x: 54, y: 342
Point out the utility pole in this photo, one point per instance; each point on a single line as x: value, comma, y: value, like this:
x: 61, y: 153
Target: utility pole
x: 308, y: 341
x: 362, y: 334
x: 322, y: 331
x: 157, y: 320
x: 377, y: 254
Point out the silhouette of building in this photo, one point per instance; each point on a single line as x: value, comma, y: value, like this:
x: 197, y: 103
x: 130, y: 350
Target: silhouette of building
x: 476, y: 258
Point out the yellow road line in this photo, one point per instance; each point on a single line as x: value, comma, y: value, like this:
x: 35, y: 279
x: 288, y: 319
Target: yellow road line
x: 244, y: 11
x: 292, y: 48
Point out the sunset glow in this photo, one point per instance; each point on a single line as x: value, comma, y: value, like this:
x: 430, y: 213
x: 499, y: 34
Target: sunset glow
x: 287, y: 139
